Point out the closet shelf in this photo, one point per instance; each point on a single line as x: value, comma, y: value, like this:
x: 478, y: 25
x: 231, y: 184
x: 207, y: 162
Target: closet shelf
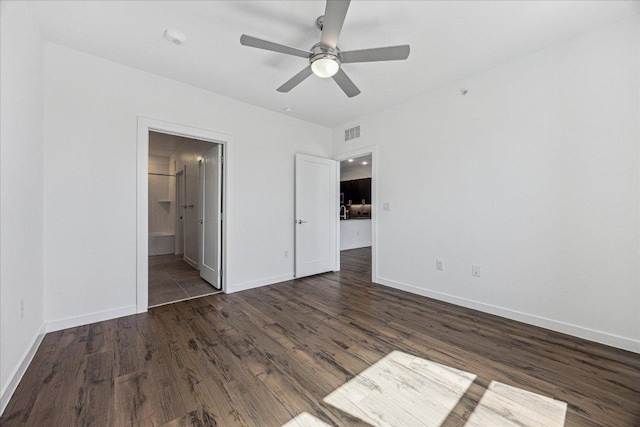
x: 164, y: 201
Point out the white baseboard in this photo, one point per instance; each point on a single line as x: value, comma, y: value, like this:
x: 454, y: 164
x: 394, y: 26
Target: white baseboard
x: 543, y: 322
x: 258, y: 283
x: 191, y: 262
x: 16, y: 376
x: 71, y: 322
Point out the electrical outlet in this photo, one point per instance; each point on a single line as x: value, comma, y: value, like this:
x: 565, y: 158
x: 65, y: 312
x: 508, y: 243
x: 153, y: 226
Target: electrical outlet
x: 475, y: 270
x: 439, y: 264
x: 286, y: 254
x: 21, y: 308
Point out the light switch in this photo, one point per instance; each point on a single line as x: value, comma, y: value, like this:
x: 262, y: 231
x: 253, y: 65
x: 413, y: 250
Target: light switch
x: 475, y: 270
x: 386, y: 206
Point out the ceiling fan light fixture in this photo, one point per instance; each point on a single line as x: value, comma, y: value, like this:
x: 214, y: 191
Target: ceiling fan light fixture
x: 325, y: 66
x: 325, y: 58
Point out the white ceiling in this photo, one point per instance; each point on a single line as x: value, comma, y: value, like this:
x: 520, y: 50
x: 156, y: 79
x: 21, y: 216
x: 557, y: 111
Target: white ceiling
x: 164, y: 145
x: 356, y: 165
x: 450, y: 41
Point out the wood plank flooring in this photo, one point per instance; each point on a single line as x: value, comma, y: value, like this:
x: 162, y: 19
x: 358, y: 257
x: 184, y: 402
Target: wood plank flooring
x: 265, y: 356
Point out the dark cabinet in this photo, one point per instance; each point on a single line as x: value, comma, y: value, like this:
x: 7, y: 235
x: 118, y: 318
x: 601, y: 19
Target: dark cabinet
x: 356, y: 191
x: 364, y: 191
x: 346, y: 187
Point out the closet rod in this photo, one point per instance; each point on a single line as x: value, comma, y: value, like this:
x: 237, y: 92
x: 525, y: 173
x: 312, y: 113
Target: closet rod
x: 161, y: 174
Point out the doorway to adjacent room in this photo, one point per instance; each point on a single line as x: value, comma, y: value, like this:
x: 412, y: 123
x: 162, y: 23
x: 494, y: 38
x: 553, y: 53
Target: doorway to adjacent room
x: 358, y: 204
x: 184, y: 191
x: 181, y: 237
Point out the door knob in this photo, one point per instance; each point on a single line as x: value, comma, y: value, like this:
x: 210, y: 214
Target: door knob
x: 200, y: 221
x: 301, y: 221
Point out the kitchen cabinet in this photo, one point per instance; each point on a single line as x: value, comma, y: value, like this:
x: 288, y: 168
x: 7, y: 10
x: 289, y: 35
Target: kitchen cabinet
x: 364, y: 190
x: 347, y: 188
x: 356, y: 190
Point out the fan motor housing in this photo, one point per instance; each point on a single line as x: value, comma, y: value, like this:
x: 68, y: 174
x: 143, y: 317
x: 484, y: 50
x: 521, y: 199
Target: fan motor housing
x: 319, y: 51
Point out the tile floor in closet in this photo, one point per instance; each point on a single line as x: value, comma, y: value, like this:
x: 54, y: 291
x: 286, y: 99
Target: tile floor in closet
x: 172, y: 279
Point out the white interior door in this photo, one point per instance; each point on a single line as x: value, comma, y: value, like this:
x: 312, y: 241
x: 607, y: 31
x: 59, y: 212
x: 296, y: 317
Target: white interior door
x: 211, y: 228
x: 191, y: 214
x: 180, y: 212
x: 316, y: 216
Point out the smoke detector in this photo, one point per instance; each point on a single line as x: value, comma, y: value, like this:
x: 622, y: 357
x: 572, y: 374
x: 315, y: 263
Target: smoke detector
x: 175, y: 36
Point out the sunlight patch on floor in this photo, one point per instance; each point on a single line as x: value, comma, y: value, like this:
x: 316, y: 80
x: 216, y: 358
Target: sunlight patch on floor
x: 503, y: 405
x: 305, y: 419
x: 402, y: 390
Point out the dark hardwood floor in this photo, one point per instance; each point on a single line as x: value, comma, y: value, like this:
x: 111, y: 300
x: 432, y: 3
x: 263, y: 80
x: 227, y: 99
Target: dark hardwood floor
x: 263, y: 356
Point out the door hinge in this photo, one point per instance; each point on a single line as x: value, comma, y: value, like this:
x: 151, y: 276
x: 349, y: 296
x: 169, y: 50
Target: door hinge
x: 221, y: 216
x: 221, y: 160
x: 220, y: 273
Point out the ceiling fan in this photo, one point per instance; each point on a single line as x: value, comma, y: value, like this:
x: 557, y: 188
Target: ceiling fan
x: 325, y: 59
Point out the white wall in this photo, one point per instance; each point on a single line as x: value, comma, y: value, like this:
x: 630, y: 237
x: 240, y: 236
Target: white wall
x: 161, y: 189
x: 21, y: 194
x: 349, y: 174
x: 91, y: 108
x: 355, y: 233
x: 534, y: 175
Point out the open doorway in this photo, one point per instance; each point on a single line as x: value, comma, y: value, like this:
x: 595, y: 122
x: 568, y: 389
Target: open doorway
x: 358, y: 215
x: 184, y: 214
x: 356, y: 211
x: 224, y: 143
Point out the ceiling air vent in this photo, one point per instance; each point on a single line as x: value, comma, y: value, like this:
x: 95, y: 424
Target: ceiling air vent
x: 352, y: 133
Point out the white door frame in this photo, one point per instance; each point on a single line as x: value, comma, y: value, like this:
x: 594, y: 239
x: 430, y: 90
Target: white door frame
x: 145, y: 125
x: 375, y: 208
